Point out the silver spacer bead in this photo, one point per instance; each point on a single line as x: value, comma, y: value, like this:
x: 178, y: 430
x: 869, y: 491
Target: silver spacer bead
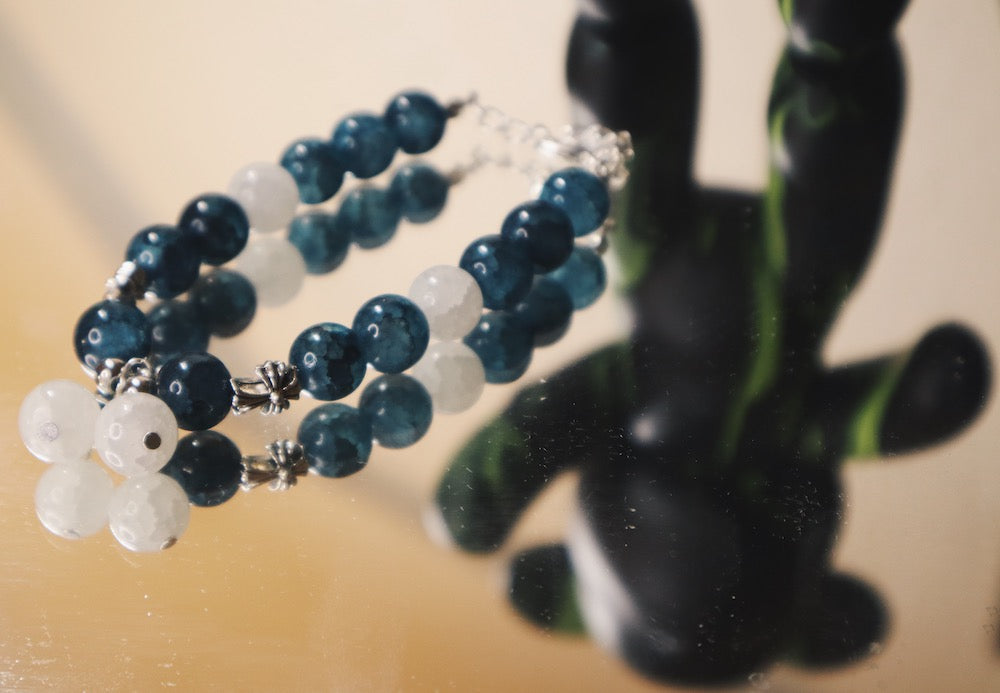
x: 279, y: 468
x: 128, y: 283
x: 275, y: 384
x: 116, y: 377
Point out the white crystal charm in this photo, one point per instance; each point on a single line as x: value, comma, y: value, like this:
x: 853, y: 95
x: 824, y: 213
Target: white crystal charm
x: 452, y: 374
x: 148, y: 512
x: 135, y: 433
x: 275, y: 268
x: 56, y: 421
x: 268, y: 195
x: 71, y: 498
x: 450, y: 298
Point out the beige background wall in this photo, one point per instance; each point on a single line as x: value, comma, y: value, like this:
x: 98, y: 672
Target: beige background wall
x: 114, y: 114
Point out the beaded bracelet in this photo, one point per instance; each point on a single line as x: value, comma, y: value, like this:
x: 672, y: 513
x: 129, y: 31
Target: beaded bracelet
x: 153, y: 373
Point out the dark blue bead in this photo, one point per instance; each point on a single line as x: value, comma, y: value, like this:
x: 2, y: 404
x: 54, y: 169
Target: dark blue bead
x: 583, y: 276
x: 421, y: 192
x: 365, y: 144
x: 392, y: 331
x: 225, y: 300
x: 369, y: 215
x: 329, y: 360
x: 502, y: 269
x: 316, y: 169
x: 197, y: 390
x: 581, y: 194
x: 336, y: 439
x: 418, y: 121
x: 218, y: 226
x: 547, y: 310
x: 321, y: 240
x: 168, y: 257
x: 207, y: 466
x: 503, y: 343
x: 111, y: 330
x: 399, y: 408
x: 175, y: 327
x: 545, y: 231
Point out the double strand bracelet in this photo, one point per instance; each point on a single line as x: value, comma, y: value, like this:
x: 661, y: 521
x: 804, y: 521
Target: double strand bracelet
x: 154, y: 376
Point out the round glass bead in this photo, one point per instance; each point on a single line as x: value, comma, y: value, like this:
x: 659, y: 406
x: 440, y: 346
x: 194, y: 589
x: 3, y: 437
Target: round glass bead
x: 450, y: 300
x: 168, y: 257
x: 421, y: 192
x: 148, y: 512
x: 547, y: 310
x: 399, y: 408
x: 581, y: 194
x: 322, y: 242
x: 316, y: 169
x: 267, y: 193
x: 56, y: 421
x: 452, y: 374
x: 503, y: 343
x: 392, y: 332
x: 135, y: 433
x: 336, y: 439
x: 71, y: 498
x: 175, y: 327
x: 583, y: 276
x: 329, y: 361
x: 418, y: 121
x: 275, y: 268
x: 502, y: 269
x: 111, y: 330
x: 196, y: 388
x: 207, y: 466
x: 225, y: 302
x: 545, y: 231
x: 218, y: 226
x: 365, y: 144
x: 369, y: 215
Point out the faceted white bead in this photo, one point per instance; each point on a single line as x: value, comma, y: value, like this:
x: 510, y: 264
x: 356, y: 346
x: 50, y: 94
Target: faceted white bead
x: 148, y: 512
x: 267, y: 193
x: 57, y: 421
x: 71, y: 498
x: 452, y: 374
x: 136, y: 433
x: 275, y: 268
x: 450, y: 298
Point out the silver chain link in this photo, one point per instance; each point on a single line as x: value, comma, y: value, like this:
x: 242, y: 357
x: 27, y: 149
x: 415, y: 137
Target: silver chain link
x: 536, y: 151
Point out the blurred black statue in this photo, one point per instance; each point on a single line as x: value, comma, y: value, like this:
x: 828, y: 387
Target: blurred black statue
x: 709, y: 443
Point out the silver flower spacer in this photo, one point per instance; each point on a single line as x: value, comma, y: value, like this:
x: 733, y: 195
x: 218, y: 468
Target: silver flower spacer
x: 276, y: 383
x: 116, y: 377
x: 128, y: 283
x: 279, y: 468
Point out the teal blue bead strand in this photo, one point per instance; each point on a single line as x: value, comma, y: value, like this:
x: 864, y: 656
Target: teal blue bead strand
x: 399, y: 408
x: 336, y: 439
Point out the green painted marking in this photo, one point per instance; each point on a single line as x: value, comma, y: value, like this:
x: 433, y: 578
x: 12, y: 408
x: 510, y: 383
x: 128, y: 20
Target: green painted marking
x: 787, y: 8
x: 863, y: 432
x: 769, y: 263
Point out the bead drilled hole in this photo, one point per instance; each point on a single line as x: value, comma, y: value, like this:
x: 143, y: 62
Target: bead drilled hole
x: 152, y: 441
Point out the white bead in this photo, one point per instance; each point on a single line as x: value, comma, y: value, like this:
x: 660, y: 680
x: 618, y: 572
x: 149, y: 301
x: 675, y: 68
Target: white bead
x: 450, y: 298
x: 267, y: 193
x: 148, y: 512
x: 71, y: 498
x: 136, y: 433
x: 275, y: 268
x: 452, y: 374
x: 57, y: 421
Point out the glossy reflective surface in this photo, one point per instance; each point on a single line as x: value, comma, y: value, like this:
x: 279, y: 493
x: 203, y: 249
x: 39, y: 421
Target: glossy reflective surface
x: 337, y: 584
